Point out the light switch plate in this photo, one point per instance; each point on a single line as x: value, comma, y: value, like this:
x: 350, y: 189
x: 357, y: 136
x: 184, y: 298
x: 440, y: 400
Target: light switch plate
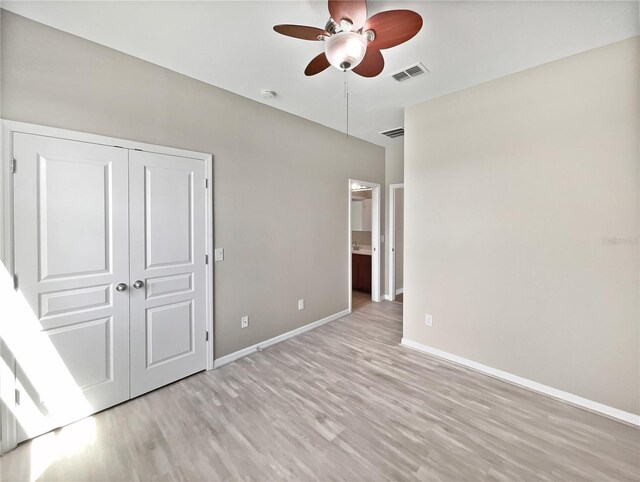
x: 219, y: 254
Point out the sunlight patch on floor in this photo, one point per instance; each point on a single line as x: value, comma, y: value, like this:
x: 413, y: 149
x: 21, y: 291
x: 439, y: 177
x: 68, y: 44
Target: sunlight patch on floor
x: 57, y: 445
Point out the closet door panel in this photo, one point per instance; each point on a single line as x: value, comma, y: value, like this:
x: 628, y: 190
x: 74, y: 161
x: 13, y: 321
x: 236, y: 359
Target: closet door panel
x: 71, y: 250
x: 167, y: 209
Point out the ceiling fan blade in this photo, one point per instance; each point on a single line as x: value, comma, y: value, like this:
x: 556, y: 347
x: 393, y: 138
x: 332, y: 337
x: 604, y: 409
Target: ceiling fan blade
x: 300, y: 31
x: 372, y: 64
x: 317, y: 65
x: 353, y: 10
x: 393, y: 27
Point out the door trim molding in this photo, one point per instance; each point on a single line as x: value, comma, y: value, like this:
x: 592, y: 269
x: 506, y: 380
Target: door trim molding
x: 9, y: 439
x: 391, y: 237
x: 10, y: 127
x: 6, y: 200
x: 209, y: 268
x: 376, y: 287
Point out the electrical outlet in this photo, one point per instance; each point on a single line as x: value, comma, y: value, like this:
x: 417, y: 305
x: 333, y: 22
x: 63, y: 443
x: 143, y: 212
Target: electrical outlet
x: 244, y: 322
x: 300, y: 304
x: 219, y: 254
x: 428, y: 320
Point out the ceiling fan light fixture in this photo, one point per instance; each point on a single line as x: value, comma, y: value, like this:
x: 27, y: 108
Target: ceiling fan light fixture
x: 352, y: 41
x: 345, y: 50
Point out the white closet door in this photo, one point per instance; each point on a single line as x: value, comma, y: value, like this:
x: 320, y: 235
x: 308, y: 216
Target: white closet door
x: 71, y: 250
x: 167, y: 232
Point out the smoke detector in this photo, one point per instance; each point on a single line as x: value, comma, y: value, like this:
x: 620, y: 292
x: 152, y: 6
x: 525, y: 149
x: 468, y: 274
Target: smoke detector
x: 268, y: 94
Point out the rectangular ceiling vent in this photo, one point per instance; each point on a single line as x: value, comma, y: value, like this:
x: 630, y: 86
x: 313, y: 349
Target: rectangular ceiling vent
x: 410, y: 72
x: 393, y: 133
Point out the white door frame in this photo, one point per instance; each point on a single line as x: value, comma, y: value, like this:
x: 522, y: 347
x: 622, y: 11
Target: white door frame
x: 7, y: 227
x: 375, y: 240
x: 391, y: 238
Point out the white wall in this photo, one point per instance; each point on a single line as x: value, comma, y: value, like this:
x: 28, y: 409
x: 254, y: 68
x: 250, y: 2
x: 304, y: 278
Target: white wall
x: 394, y: 174
x: 515, y: 190
x: 280, y: 202
x: 399, y: 237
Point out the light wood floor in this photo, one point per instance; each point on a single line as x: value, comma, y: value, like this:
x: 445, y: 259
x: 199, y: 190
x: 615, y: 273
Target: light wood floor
x: 342, y: 402
x: 359, y: 300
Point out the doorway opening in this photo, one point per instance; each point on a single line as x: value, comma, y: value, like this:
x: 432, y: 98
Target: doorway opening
x: 396, y: 242
x: 364, y: 243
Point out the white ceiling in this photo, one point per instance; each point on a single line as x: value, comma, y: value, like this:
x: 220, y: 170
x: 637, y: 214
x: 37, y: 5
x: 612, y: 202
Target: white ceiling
x: 231, y: 44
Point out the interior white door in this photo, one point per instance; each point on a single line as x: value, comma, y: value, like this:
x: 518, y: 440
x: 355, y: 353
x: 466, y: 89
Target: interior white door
x: 167, y: 249
x: 71, y: 251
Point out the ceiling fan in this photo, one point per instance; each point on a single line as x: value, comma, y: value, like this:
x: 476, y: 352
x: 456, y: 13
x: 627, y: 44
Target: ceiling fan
x: 353, y: 42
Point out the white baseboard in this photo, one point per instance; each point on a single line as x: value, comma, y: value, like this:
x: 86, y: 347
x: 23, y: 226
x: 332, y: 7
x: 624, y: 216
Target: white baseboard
x: 250, y: 350
x: 567, y: 397
x: 399, y: 291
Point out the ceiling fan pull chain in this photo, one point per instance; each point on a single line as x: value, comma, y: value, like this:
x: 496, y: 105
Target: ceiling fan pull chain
x: 346, y: 93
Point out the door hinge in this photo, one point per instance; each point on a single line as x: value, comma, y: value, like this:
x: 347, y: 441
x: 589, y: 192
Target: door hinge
x: 13, y: 166
x: 206, y: 183
x: 206, y: 336
x: 17, y: 396
x: 15, y: 281
x: 206, y: 259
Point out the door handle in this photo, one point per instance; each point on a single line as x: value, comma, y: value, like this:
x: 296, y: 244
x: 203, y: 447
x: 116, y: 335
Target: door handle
x: 121, y: 287
x: 138, y: 284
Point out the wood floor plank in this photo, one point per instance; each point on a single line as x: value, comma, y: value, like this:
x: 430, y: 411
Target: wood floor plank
x: 342, y: 402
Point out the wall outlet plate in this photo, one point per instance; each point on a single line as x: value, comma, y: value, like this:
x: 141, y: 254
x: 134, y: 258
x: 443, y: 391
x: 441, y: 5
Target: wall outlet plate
x: 428, y: 320
x: 300, y: 304
x: 244, y: 322
x: 219, y: 254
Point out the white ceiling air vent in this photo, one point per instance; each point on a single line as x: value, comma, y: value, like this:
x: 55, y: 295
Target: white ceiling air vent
x: 393, y: 133
x: 410, y: 72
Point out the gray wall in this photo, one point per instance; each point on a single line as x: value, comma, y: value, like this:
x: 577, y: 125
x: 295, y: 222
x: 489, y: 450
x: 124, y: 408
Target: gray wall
x: 515, y: 191
x: 280, y: 203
